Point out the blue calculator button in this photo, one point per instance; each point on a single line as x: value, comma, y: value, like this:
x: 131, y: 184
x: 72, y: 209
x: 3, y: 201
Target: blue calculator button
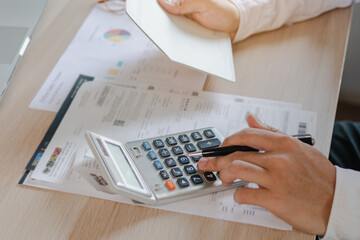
x: 177, y: 150
x: 171, y: 141
x: 183, y: 159
x: 158, y: 165
x: 152, y: 155
x: 183, y: 182
x: 196, y: 136
x: 170, y: 162
x: 176, y: 172
x: 209, y: 143
x: 196, y: 179
x: 209, y: 133
x: 146, y: 146
x: 164, y: 175
x: 190, y: 169
x: 158, y: 143
x: 184, y: 138
x: 190, y: 147
x: 196, y: 159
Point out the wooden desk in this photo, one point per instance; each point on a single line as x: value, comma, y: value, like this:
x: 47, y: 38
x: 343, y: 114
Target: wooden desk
x: 302, y: 63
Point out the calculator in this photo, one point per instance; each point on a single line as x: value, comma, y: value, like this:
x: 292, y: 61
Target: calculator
x: 157, y: 170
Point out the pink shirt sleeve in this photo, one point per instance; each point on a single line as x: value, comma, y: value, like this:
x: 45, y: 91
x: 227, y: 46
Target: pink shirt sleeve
x: 344, y: 222
x: 265, y: 15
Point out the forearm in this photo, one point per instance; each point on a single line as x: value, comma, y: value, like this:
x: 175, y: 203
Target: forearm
x: 265, y: 15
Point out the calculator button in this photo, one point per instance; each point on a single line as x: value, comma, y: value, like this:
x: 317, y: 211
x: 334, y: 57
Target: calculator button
x: 184, y: 138
x: 171, y: 141
x: 209, y: 143
x: 196, y: 136
x: 210, y: 176
x: 209, y: 133
x: 176, y: 172
x: 189, y: 169
x: 183, y: 182
x: 183, y: 159
x: 170, y: 185
x: 164, y: 153
x: 190, y: 147
x: 177, y: 150
x: 196, y: 179
x: 146, y: 146
x: 158, y: 143
x: 170, y: 162
x: 158, y: 165
x: 164, y: 175
x: 196, y: 159
x: 152, y: 155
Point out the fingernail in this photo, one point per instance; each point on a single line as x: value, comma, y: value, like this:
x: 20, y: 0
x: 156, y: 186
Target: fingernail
x: 203, y: 162
x: 257, y: 119
x: 173, y: 3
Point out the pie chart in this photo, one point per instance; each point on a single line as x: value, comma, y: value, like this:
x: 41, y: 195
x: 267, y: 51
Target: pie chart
x: 117, y: 35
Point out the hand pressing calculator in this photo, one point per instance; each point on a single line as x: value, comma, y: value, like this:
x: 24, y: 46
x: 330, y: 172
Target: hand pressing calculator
x: 156, y: 170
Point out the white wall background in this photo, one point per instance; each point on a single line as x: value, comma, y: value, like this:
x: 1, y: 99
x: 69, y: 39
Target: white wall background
x: 350, y: 86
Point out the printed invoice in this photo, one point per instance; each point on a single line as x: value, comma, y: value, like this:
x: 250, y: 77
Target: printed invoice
x: 123, y: 113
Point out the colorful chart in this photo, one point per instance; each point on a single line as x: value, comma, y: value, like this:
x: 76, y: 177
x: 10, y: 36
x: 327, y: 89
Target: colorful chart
x: 117, y: 35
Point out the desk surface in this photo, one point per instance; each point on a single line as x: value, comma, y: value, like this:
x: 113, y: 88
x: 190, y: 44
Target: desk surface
x: 302, y: 63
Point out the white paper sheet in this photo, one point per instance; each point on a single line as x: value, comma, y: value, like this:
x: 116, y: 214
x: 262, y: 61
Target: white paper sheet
x: 183, y: 40
x: 128, y: 114
x: 111, y: 46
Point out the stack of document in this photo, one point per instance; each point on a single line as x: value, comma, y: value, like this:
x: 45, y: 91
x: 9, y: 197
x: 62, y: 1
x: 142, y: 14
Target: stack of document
x: 139, y: 93
x: 139, y: 111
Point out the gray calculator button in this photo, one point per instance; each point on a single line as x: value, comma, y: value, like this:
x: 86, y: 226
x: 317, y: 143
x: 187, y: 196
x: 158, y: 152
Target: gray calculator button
x: 196, y: 179
x: 210, y: 176
x: 196, y: 159
x: 170, y: 162
x: 190, y: 147
x: 189, y: 169
x: 158, y: 143
x: 183, y: 159
x: 177, y: 150
x: 209, y: 133
x: 183, y: 182
x: 164, y: 153
x: 196, y: 136
x: 164, y: 175
x: 176, y: 172
x: 171, y: 141
x: 210, y: 143
x: 184, y: 138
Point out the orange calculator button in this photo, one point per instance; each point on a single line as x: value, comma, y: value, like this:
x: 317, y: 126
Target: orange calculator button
x: 170, y: 185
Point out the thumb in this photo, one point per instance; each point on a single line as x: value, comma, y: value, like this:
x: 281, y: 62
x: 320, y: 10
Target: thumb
x: 254, y: 122
x: 182, y: 6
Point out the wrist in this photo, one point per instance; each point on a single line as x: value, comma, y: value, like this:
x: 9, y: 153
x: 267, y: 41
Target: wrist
x: 236, y: 21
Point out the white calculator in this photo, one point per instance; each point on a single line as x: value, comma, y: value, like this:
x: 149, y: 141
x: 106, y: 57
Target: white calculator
x: 157, y: 170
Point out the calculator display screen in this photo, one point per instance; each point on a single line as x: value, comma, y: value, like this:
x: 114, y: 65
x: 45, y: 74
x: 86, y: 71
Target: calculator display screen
x: 124, y: 166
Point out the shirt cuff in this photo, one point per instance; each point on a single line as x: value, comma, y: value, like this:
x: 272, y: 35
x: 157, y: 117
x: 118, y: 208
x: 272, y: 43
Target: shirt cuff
x: 254, y: 16
x: 344, y: 221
